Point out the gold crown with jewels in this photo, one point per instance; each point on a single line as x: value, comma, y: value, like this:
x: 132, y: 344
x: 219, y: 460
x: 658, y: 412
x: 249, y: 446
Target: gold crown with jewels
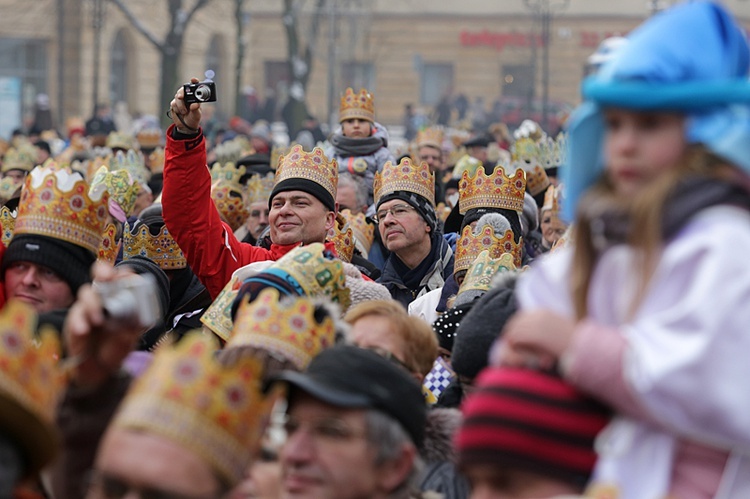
x: 21, y: 158
x: 133, y: 162
x: 120, y: 140
x: 313, y: 166
x: 287, y: 327
x: 228, y: 194
x: 150, y: 138
x: 552, y: 199
x: 30, y: 384
x: 342, y: 237
x: 432, y: 137
x: 470, y: 245
x: 57, y: 203
x: 259, y: 188
x: 216, y: 411
x: 496, y: 190
x: 357, y: 105
x: 406, y: 176
x: 481, y: 271
x: 160, y: 248
x: 8, y: 223
x: 121, y: 187
x: 364, y: 233
x: 533, y: 156
x: 156, y: 160
x: 110, y: 247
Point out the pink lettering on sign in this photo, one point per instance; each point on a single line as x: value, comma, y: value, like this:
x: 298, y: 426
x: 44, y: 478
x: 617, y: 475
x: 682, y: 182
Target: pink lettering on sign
x: 499, y: 40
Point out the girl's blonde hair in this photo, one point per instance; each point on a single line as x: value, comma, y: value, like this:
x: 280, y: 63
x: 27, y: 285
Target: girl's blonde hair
x: 644, y: 215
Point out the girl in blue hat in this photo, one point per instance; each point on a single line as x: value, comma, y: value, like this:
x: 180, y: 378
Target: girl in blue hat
x: 648, y: 309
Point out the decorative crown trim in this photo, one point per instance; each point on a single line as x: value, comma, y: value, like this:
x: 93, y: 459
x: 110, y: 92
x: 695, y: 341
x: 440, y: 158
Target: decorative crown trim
x: 494, y: 191
x: 313, y: 166
x: 406, y: 176
x: 481, y: 271
x: 160, y: 248
x: 432, y: 137
x: 360, y: 105
x: 470, y: 245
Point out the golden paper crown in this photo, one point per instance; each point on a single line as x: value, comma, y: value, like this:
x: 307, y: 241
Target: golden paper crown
x: 21, y: 158
x: 536, y: 180
x: 277, y: 153
x: 342, y: 237
x: 483, y: 268
x: 552, y: 199
x: 259, y: 188
x: 364, y: 232
x: 230, y: 151
x: 132, y: 161
x: 30, y: 384
x: 406, y: 176
x: 119, y: 140
x: 227, y: 172
x: 8, y: 187
x: 313, y: 166
x: 315, y: 273
x: 470, y: 245
x: 229, y: 198
x: 156, y: 160
x: 110, y: 247
x: 494, y: 191
x: 218, y: 316
x: 121, y: 187
x: 8, y: 221
x: 57, y: 203
x: 186, y: 396
x: 361, y: 105
x: 432, y: 137
x: 533, y: 156
x: 466, y: 163
x: 287, y: 327
x: 160, y: 248
x: 149, y: 138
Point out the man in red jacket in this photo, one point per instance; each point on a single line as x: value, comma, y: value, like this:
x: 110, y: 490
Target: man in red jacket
x: 302, y: 204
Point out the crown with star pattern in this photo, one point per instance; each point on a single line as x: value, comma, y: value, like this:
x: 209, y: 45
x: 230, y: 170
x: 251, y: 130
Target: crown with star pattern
x: 406, y: 176
x: 160, y: 248
x: 496, y: 190
x: 357, y: 105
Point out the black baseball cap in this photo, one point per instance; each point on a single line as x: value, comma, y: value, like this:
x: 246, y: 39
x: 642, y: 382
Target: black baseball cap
x: 352, y: 377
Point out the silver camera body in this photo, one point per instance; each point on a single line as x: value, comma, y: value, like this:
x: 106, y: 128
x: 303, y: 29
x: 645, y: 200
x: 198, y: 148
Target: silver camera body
x: 132, y: 299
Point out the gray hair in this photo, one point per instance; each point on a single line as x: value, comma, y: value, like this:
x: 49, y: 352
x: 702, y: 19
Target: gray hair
x: 356, y: 183
x: 388, y: 438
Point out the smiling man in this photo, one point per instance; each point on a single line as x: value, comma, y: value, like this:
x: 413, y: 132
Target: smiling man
x: 420, y: 258
x: 302, y: 205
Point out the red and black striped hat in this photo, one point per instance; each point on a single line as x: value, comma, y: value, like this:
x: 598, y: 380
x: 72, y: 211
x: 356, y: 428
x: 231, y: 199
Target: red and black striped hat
x: 530, y: 420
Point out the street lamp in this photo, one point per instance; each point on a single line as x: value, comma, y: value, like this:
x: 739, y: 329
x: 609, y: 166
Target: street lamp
x: 544, y: 10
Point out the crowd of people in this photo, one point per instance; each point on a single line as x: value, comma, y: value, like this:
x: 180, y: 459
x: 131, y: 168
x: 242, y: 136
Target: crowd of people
x: 493, y: 315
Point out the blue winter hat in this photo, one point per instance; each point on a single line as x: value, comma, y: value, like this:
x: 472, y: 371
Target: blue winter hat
x: 692, y: 58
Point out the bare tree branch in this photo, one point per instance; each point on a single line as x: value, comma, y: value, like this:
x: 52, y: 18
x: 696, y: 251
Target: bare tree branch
x: 139, y: 26
x: 198, y: 6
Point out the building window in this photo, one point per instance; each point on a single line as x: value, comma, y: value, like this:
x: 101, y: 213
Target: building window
x: 436, y: 82
x: 358, y: 75
x: 23, y: 75
x: 119, y: 71
x: 518, y: 81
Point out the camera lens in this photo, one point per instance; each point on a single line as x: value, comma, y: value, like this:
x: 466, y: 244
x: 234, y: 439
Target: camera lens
x: 203, y: 93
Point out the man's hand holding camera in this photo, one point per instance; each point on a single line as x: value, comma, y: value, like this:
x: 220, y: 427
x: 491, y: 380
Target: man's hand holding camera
x: 186, y: 117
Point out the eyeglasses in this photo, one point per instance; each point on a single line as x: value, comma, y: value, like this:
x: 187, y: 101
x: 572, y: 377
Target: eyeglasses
x: 105, y: 486
x: 399, y: 211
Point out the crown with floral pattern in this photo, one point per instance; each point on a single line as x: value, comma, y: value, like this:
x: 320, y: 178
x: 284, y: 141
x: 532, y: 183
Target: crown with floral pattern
x: 21, y: 158
x: 57, y: 203
x: 470, y: 245
x: 313, y: 166
x: 110, y: 247
x: 121, y: 140
x: 342, y: 237
x: 229, y: 199
x: 218, y: 315
x: 8, y: 187
x: 278, y: 152
x: 479, y: 274
x: 30, y: 383
x: 156, y: 160
x: 259, y: 188
x: 496, y: 190
x: 160, y: 248
x: 287, y: 327
x: 406, y: 176
x: 361, y: 106
x: 121, y: 187
x: 133, y: 162
x: 432, y: 137
x: 8, y: 222
x: 533, y: 157
x: 216, y: 411
x: 364, y: 232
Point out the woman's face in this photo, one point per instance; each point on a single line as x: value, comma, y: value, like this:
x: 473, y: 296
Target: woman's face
x: 640, y: 146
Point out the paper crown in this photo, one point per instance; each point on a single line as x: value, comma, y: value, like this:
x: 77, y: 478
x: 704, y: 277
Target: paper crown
x: 470, y: 245
x: 361, y: 105
x: 121, y: 187
x: 8, y: 187
x: 218, y: 315
x: 277, y: 153
x: 287, y: 327
x: 227, y: 172
x: 364, y: 233
x: 119, y: 140
x: 156, y: 160
x: 149, y: 138
x: 532, y: 156
x: 552, y: 199
x: 466, y: 163
x: 57, y: 203
x: 406, y: 176
x: 481, y: 271
x: 160, y: 248
x: 21, y: 158
x: 229, y: 197
x: 132, y: 161
x: 8, y: 222
x: 342, y: 237
x: 259, y: 188
x: 432, y: 137
x: 186, y: 396
x: 494, y: 191
x: 313, y: 166
x: 30, y: 384
x: 230, y: 151
x: 109, y: 247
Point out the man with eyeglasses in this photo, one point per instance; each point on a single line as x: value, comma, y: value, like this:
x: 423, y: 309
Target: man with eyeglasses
x: 354, y: 425
x: 420, y: 258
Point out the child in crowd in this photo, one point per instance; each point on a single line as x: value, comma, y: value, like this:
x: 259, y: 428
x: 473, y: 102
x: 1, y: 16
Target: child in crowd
x: 647, y: 310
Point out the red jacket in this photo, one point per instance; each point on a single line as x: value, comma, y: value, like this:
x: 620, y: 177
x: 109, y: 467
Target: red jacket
x: 209, y: 245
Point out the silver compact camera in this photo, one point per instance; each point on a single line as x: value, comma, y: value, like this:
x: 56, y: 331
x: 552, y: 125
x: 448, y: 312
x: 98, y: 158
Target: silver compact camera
x: 132, y: 300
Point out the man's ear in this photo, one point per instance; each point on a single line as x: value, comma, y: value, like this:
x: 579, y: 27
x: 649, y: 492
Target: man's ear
x: 395, y: 472
x: 330, y: 220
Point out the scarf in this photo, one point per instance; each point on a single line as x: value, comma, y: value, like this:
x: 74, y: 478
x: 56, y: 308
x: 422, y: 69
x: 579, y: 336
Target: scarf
x: 413, y: 278
x: 366, y: 146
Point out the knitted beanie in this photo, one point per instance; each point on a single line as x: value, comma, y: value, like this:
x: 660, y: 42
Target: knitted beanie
x: 446, y: 325
x: 532, y: 421
x: 481, y: 326
x: 362, y: 290
x: 419, y: 203
x: 70, y: 261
